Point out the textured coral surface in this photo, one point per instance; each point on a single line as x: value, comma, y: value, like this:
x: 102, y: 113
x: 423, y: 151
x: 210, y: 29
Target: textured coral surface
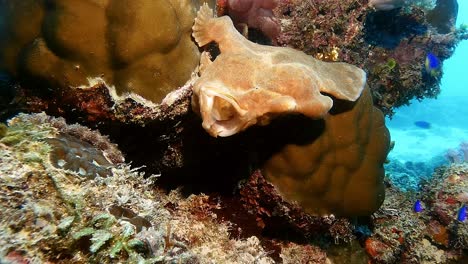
x: 338, y: 167
x: 391, y: 45
x: 52, y: 215
x: 140, y: 46
x: 433, y: 235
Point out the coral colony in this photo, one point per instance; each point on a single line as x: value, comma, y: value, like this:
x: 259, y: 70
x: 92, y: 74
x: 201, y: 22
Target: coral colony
x: 221, y: 149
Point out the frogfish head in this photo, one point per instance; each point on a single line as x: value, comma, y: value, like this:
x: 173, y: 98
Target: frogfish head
x: 222, y: 115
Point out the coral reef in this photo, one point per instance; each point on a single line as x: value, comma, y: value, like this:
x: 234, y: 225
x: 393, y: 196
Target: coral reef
x: 67, y: 195
x: 335, y: 166
x: 64, y: 217
x: 275, y: 80
x: 271, y: 212
x: 54, y: 215
x: 327, y: 30
x: 129, y: 120
x: 433, y: 235
x: 386, y: 5
x: 140, y: 127
x: 443, y: 16
x: 139, y: 46
x: 410, y: 175
x: 51, y: 214
x: 391, y: 46
x: 292, y: 253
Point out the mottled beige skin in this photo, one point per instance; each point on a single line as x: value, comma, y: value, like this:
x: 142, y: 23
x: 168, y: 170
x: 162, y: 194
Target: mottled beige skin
x: 250, y: 83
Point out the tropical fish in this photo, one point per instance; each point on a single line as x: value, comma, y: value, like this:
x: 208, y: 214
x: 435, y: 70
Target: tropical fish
x: 432, y: 64
x: 461, y: 216
x: 417, y: 207
x: 423, y: 124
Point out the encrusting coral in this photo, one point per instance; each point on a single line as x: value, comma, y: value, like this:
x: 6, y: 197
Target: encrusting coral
x: 433, y: 234
x: 139, y: 46
x: 250, y: 83
x: 49, y: 214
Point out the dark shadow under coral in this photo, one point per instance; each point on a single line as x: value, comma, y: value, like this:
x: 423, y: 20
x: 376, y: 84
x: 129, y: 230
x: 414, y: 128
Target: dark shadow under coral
x: 387, y: 28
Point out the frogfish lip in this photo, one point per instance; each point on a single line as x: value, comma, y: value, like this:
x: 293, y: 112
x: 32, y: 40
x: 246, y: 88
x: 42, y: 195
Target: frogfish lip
x: 221, y: 113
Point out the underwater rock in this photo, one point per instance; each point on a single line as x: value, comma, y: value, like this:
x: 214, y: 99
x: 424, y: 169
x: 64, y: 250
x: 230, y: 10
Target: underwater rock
x: 77, y: 134
x: 248, y: 84
x: 458, y: 155
x: 140, y: 46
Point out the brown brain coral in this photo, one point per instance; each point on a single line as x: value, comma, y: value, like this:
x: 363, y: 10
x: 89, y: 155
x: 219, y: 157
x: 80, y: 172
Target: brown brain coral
x: 339, y: 170
x: 143, y: 46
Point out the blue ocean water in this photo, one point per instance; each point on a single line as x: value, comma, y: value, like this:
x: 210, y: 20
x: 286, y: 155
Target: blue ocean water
x: 420, y: 149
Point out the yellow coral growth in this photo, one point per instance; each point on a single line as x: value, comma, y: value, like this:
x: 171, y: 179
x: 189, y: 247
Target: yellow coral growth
x: 341, y: 171
x: 141, y: 46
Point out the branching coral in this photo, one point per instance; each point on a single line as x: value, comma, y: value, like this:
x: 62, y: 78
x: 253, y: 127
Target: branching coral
x: 352, y: 32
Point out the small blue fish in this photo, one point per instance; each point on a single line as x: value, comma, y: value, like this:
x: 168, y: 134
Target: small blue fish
x: 432, y: 64
x: 417, y: 206
x: 423, y: 124
x: 462, y: 214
